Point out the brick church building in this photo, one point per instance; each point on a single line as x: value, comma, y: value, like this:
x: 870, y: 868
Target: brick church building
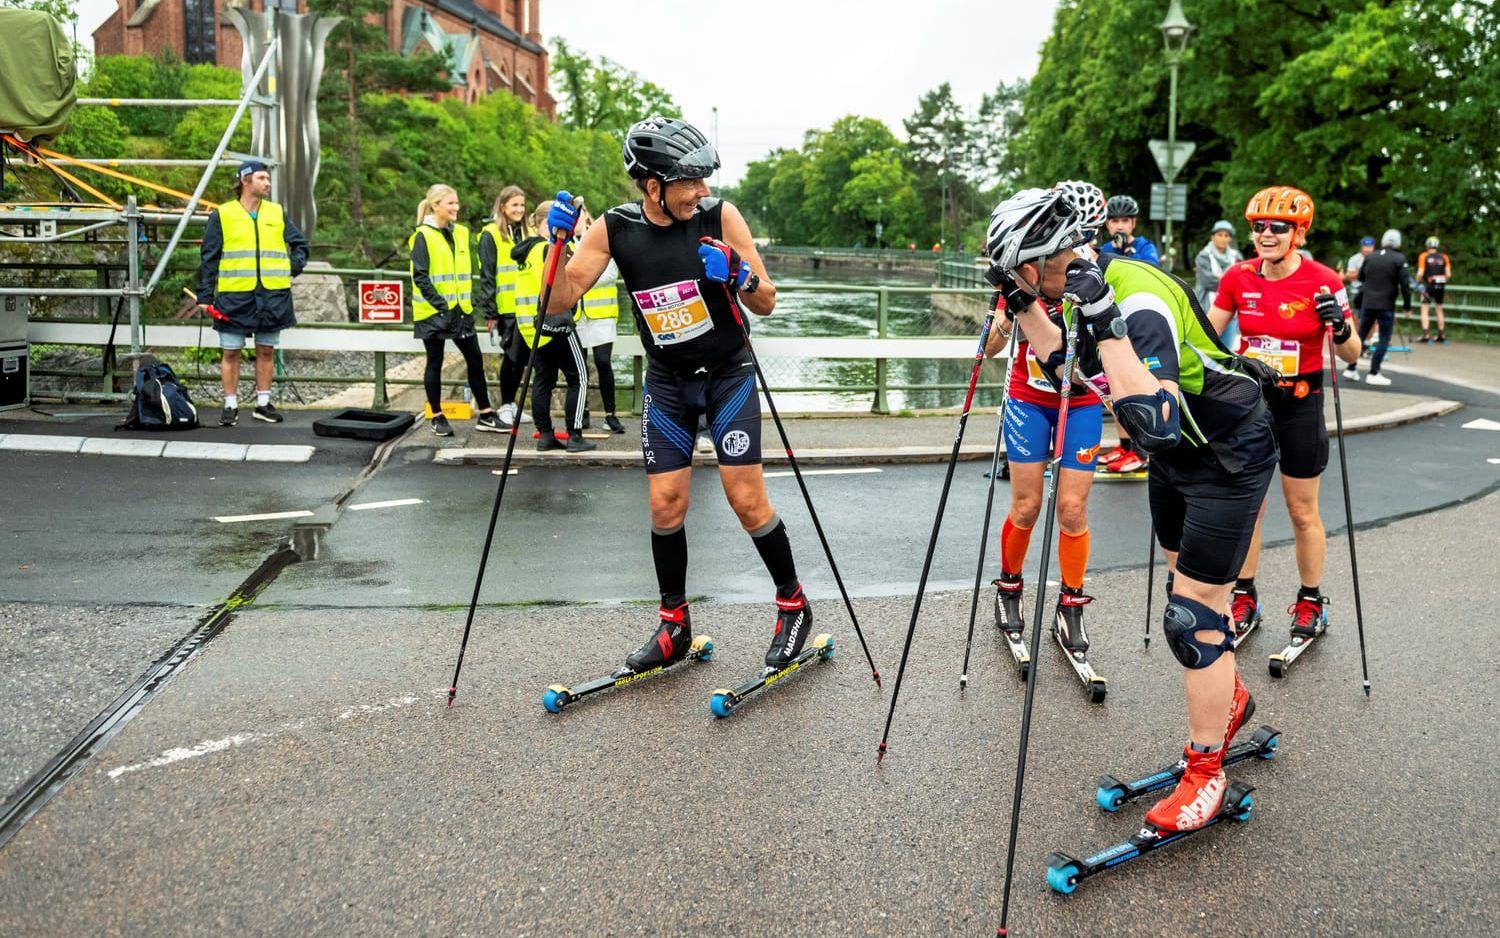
x: 493, y: 45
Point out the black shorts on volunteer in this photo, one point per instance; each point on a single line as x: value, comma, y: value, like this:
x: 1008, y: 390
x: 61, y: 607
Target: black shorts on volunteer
x: 1301, y: 431
x: 1435, y: 291
x: 672, y: 403
x: 1207, y: 522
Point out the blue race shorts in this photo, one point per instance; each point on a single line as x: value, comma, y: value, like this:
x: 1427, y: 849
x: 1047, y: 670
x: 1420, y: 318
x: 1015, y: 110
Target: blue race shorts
x: 1029, y: 429
x: 723, y: 393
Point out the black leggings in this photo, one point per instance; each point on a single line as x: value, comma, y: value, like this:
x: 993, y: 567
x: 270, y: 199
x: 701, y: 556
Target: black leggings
x: 432, y: 378
x: 1368, y: 319
x: 564, y: 355
x: 605, y: 369
x: 513, y: 362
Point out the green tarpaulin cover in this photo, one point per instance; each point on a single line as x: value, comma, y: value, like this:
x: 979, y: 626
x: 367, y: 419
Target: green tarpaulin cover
x: 37, y: 76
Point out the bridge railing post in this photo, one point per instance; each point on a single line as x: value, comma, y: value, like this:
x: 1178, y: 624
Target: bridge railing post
x: 882, y: 325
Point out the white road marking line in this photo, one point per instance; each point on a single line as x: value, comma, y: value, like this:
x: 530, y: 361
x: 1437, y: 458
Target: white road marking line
x: 391, y: 704
x: 495, y: 472
x: 268, y: 516
x: 393, y: 503
x: 785, y: 473
x: 1483, y: 423
x: 1493, y: 462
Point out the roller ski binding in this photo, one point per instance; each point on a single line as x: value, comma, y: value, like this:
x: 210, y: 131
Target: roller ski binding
x: 1011, y: 621
x: 1244, y: 613
x: 785, y: 657
x: 672, y: 645
x: 1309, y: 620
x: 1067, y: 629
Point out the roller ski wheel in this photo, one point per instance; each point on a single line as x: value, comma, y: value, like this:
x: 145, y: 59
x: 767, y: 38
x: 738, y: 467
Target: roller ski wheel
x: 1065, y: 873
x: 1113, y: 794
x: 1068, y: 632
x: 726, y: 700
x: 1309, y: 622
x: 559, y: 696
x: 1009, y: 621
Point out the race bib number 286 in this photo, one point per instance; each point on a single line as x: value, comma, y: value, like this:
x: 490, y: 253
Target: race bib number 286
x: 675, y: 312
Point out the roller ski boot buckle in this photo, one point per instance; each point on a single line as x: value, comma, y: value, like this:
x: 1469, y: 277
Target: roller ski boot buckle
x: 1113, y: 794
x: 559, y: 696
x: 1307, y: 625
x: 726, y: 700
x: 1010, y: 622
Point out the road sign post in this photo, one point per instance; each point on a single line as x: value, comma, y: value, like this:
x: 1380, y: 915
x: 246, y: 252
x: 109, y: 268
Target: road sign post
x: 1168, y: 202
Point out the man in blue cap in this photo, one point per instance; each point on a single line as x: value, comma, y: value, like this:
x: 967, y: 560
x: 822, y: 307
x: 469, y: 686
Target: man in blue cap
x: 1351, y: 272
x: 251, y: 251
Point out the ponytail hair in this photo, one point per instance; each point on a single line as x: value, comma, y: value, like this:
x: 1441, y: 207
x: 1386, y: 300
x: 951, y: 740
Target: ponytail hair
x: 539, y: 218
x: 435, y: 193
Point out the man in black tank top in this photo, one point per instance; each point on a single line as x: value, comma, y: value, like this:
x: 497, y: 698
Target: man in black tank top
x: 697, y: 363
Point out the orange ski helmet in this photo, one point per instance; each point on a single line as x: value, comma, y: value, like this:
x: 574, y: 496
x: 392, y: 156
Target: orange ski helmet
x: 1283, y: 203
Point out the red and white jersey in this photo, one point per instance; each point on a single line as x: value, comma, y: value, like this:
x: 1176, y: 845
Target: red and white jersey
x: 1278, y: 322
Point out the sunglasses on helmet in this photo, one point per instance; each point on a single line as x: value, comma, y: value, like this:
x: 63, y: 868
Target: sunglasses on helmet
x: 1275, y: 227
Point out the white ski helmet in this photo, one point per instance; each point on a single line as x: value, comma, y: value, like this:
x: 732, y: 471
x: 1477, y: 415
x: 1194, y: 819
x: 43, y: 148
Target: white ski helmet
x: 1031, y: 225
x: 1087, y: 200
x: 1391, y: 238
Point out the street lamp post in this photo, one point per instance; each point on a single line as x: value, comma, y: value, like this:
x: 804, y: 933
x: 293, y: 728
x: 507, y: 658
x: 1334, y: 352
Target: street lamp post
x: 1175, y: 30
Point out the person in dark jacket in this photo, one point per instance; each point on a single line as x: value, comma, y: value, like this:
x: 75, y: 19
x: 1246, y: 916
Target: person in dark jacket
x: 1380, y: 276
x: 250, y: 253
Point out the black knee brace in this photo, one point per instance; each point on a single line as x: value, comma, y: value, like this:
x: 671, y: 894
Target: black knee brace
x: 1186, y: 617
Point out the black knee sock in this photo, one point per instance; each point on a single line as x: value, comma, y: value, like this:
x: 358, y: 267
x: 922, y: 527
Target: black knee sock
x: 1310, y: 592
x: 669, y: 550
x: 1246, y: 583
x: 776, y: 552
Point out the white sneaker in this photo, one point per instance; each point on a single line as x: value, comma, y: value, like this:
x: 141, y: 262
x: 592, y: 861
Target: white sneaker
x: 526, y: 418
x: 1350, y: 374
x: 1377, y: 380
x: 507, y: 413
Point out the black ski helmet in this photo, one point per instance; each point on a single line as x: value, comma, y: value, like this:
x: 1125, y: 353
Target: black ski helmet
x: 666, y: 148
x: 1122, y: 206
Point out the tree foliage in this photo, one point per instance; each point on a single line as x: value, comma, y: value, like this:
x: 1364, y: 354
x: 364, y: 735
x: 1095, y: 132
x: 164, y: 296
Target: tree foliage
x: 600, y: 94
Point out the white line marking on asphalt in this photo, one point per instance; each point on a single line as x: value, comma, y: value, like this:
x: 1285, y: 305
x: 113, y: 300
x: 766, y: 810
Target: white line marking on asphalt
x: 1493, y: 462
x: 191, y: 752
x: 1483, y: 423
x: 784, y: 473
x: 393, y: 503
x: 391, y: 704
x: 269, y: 516
x: 495, y: 472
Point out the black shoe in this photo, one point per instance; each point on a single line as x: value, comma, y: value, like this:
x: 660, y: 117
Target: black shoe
x: 614, y: 424
x: 577, y: 444
x: 547, y: 440
x: 1008, y: 614
x: 440, y: 426
x: 671, y: 642
x: 268, y: 413
x: 1069, y: 622
x: 1442, y: 339
x: 229, y: 416
x: 1426, y: 339
x: 489, y: 423
x: 793, y: 624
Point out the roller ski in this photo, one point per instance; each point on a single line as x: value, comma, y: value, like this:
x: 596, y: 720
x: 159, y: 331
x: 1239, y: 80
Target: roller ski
x: 785, y: 657
x: 671, y: 646
x: 1010, y: 622
x: 1114, y: 794
x: 1309, y: 620
x: 1202, y: 798
x: 1067, y: 629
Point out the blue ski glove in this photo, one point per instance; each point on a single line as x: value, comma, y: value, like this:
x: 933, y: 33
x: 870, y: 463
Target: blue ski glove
x: 723, y: 263
x: 562, y: 216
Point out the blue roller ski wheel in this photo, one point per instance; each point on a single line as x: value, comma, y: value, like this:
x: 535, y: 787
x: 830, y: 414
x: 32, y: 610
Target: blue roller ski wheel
x: 827, y: 651
x: 707, y: 654
x: 1060, y: 878
x: 1270, y: 752
x: 1110, y: 799
x: 554, y: 701
x: 721, y: 705
x: 1241, y: 811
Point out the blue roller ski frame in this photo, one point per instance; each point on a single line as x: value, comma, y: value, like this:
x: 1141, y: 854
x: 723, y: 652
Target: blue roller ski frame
x: 725, y: 700
x: 1114, y: 794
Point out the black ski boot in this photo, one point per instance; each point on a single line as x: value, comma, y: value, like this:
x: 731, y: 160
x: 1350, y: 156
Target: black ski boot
x: 1008, y: 615
x: 671, y: 642
x: 793, y: 625
x: 1069, y: 619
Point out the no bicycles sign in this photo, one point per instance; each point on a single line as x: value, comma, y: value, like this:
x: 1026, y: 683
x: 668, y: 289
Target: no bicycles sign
x: 380, y: 300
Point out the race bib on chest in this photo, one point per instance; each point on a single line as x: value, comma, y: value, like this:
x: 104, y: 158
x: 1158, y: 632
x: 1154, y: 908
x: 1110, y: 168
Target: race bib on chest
x: 674, y: 313
x: 1034, y: 376
x: 1281, y: 354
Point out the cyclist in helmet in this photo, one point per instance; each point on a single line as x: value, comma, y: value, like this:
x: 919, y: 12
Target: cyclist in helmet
x: 1189, y: 402
x: 1434, y: 269
x: 1031, y: 411
x: 681, y: 254
x: 1119, y: 231
x: 1285, y: 305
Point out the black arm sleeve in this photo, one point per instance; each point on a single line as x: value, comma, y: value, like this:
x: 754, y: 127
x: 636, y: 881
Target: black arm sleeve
x: 208, y: 259
x: 419, y: 276
x: 484, y: 290
x: 296, y: 247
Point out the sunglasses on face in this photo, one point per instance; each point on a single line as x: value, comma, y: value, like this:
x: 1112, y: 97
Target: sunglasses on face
x: 1275, y: 227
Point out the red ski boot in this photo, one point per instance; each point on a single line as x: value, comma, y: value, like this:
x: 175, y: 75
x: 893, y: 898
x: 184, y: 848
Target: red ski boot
x: 1197, y: 797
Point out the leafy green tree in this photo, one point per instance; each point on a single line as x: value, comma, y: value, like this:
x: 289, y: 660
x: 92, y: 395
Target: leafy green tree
x: 599, y: 94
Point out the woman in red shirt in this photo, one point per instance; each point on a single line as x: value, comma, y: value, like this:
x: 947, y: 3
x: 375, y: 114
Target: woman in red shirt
x: 1286, y: 304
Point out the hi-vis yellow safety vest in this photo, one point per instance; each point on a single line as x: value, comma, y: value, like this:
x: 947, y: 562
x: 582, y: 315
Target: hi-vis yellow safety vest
x: 254, y: 249
x: 448, y: 270
x: 529, y: 293
x: 505, y: 271
x: 602, y: 303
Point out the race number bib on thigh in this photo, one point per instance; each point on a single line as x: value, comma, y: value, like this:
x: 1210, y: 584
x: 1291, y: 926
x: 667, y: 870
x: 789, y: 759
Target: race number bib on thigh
x: 675, y: 312
x: 1281, y: 354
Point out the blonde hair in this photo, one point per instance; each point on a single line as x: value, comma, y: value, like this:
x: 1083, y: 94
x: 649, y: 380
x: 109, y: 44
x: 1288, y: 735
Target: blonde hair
x: 539, y: 215
x: 436, y: 193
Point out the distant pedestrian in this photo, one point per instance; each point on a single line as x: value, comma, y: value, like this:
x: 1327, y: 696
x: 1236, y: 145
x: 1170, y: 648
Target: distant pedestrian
x: 250, y: 253
x: 442, y: 308
x: 1351, y: 272
x: 1217, y: 256
x: 598, y: 329
x: 1123, y: 212
x: 1382, y: 274
x: 1434, y: 268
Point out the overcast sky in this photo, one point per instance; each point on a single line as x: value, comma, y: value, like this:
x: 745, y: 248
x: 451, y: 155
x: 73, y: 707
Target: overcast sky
x: 776, y: 68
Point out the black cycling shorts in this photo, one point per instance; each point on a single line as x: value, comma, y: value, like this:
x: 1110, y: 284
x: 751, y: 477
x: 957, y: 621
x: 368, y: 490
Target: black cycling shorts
x: 1208, y: 523
x: 1301, y: 431
x: 1435, y: 291
x: 724, y: 393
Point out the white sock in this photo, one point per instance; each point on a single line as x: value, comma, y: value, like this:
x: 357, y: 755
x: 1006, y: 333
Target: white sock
x: 262, y: 398
x: 232, y: 400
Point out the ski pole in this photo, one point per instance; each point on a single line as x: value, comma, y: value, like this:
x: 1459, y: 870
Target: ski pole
x: 1150, y: 578
x: 791, y: 457
x: 989, y: 502
x: 1070, y: 339
x: 937, y: 523
x: 549, y: 273
x: 1338, y: 420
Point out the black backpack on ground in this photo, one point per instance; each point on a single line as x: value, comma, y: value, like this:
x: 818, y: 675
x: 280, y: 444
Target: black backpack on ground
x: 160, y: 401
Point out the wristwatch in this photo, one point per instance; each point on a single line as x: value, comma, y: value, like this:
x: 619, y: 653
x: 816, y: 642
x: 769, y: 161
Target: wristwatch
x: 752, y: 283
x: 1113, y: 329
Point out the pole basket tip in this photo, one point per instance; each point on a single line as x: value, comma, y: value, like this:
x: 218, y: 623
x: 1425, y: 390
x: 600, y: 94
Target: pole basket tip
x: 1001, y: 933
x: 1148, y: 641
x: 1367, y: 688
x: 452, y: 692
x: 880, y: 754
x: 876, y: 676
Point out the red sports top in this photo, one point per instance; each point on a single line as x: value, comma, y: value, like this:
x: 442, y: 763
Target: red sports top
x: 1026, y: 382
x: 1278, y: 323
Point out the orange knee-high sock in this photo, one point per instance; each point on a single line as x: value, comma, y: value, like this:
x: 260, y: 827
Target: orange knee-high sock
x: 1073, y: 557
x: 1014, y: 540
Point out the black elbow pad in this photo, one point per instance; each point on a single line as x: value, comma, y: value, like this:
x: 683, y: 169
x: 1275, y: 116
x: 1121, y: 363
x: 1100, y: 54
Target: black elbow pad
x: 1151, y: 420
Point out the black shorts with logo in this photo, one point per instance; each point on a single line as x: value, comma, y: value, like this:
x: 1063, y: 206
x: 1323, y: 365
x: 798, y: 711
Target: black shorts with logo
x: 1435, y: 291
x: 1208, y: 523
x: 1300, y: 428
x: 724, y: 393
